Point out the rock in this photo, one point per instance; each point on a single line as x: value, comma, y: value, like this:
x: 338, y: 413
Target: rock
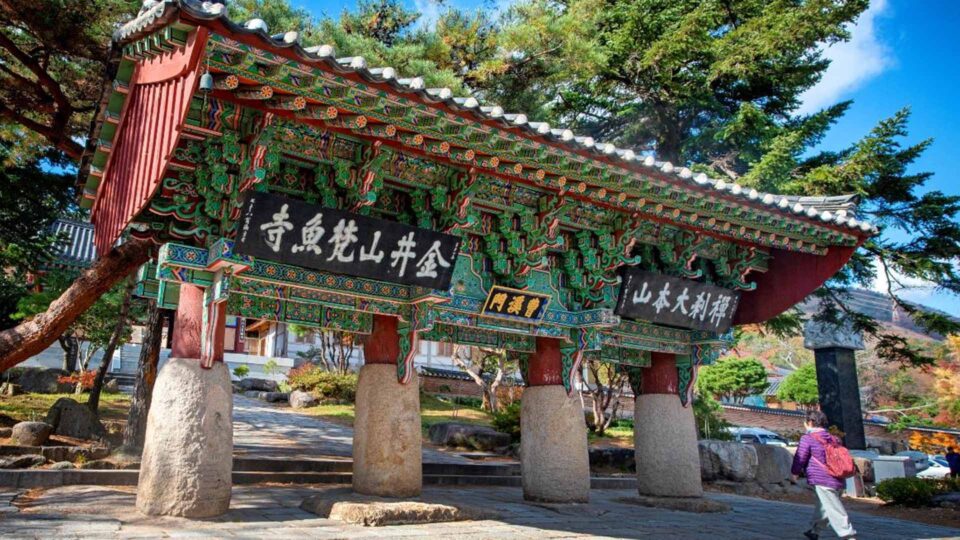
x: 721, y: 460
x: 262, y: 385
x: 43, y: 381
x: 22, y: 462
x: 99, y: 464
x: 773, y: 463
x: 886, y: 446
x: 112, y: 386
x: 616, y: 458
x: 61, y: 465
x: 73, y: 419
x: 31, y: 433
x: 187, y: 457
x: 946, y: 500
x: 301, y: 400
x: 468, y: 435
x: 273, y: 397
x: 377, y: 512
x: 6, y: 432
x: 73, y: 453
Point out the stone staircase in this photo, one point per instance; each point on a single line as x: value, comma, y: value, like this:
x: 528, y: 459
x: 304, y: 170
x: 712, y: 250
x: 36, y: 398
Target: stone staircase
x: 258, y: 470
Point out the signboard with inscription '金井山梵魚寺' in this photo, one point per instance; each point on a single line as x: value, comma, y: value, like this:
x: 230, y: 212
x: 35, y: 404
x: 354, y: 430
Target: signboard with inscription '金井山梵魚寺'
x: 675, y: 301
x: 294, y: 232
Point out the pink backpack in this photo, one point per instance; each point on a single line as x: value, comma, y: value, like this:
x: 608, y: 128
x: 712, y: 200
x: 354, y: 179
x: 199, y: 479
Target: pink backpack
x: 839, y: 461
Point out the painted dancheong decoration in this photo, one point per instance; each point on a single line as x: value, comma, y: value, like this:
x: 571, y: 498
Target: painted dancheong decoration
x: 297, y: 186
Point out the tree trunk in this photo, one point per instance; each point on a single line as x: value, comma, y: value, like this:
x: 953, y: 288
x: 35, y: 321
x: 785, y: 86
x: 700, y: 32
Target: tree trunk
x: 93, y: 402
x: 136, y: 427
x: 71, y: 350
x: 32, y: 337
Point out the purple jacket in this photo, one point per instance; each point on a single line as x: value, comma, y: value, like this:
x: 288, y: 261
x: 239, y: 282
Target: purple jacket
x: 810, y: 458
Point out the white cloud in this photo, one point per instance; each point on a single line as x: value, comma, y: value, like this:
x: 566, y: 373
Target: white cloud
x: 853, y: 62
x: 429, y: 13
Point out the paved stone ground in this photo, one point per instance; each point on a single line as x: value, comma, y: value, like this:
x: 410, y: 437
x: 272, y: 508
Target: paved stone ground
x: 264, y: 430
x: 260, y: 512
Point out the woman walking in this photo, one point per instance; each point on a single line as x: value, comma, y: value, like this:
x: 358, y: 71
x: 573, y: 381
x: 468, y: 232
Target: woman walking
x: 810, y: 460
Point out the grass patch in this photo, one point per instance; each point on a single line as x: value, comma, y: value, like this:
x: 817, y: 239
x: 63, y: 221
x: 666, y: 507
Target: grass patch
x: 433, y: 410
x: 35, y: 406
x: 615, y: 435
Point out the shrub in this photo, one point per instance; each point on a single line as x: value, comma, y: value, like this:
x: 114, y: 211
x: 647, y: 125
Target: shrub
x: 241, y: 371
x: 907, y: 491
x: 710, y: 425
x: 311, y: 378
x: 507, y: 420
x: 86, y: 379
x: 271, y: 367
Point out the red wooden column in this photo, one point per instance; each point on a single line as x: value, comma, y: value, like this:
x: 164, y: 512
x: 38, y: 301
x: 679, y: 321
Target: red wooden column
x: 543, y: 367
x: 188, y: 325
x: 213, y: 336
x: 665, y: 434
x: 554, y: 464
x: 382, y: 346
x: 661, y: 377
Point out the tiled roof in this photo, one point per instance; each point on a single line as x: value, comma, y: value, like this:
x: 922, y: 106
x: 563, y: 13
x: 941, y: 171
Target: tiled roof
x: 156, y: 13
x: 78, y: 249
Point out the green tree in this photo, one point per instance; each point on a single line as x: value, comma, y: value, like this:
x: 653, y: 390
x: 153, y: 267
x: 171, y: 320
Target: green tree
x: 800, y: 387
x: 733, y: 379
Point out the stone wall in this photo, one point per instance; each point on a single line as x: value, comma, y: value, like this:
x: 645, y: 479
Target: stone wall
x: 791, y: 422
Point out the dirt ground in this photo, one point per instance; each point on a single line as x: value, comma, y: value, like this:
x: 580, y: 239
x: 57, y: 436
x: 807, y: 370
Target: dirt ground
x: 947, y: 517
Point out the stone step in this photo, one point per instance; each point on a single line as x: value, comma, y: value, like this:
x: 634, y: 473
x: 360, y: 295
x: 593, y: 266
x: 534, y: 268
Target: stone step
x: 246, y: 464
x: 33, y: 478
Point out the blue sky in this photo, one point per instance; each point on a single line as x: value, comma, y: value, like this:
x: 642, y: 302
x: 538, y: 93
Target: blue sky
x: 902, y: 53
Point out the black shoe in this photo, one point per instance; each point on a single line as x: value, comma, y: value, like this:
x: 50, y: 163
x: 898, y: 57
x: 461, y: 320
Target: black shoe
x: 811, y: 535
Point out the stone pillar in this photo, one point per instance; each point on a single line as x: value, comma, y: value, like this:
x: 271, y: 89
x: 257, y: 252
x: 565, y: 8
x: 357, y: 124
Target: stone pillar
x: 387, y: 452
x: 665, y: 434
x: 833, y: 348
x: 187, y: 461
x: 553, y: 434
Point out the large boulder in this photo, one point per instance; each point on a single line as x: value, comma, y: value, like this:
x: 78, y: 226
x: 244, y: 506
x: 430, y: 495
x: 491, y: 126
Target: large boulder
x: 72, y: 419
x: 273, y: 397
x: 886, y: 447
x: 468, y: 435
x: 22, y: 462
x: 260, y: 385
x: 31, y: 433
x: 43, y: 381
x: 722, y: 460
x: 301, y: 400
x: 773, y: 463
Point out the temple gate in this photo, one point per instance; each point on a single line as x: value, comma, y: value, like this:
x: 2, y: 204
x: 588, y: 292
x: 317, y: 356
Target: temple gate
x: 288, y: 184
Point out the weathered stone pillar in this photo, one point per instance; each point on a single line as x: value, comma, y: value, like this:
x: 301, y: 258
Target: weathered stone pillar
x: 665, y: 435
x: 386, y: 436
x: 553, y: 435
x: 187, y: 458
x: 833, y: 348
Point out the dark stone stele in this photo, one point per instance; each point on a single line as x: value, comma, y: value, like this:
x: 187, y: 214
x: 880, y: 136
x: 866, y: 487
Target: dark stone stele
x: 840, y: 393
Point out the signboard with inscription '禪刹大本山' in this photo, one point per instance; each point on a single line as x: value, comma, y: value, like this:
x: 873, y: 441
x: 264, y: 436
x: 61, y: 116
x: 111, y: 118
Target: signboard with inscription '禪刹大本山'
x: 676, y: 301
x: 294, y: 232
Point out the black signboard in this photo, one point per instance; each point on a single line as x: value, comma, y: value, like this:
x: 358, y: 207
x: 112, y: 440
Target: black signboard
x: 295, y: 232
x: 515, y: 303
x: 675, y: 301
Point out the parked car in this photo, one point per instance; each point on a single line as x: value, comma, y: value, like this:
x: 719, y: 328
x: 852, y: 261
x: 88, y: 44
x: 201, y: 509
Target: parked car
x: 936, y: 468
x: 921, y: 461
x: 758, y: 436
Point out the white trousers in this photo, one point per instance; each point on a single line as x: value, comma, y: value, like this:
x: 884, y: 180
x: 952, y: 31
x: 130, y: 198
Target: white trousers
x: 830, y: 510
